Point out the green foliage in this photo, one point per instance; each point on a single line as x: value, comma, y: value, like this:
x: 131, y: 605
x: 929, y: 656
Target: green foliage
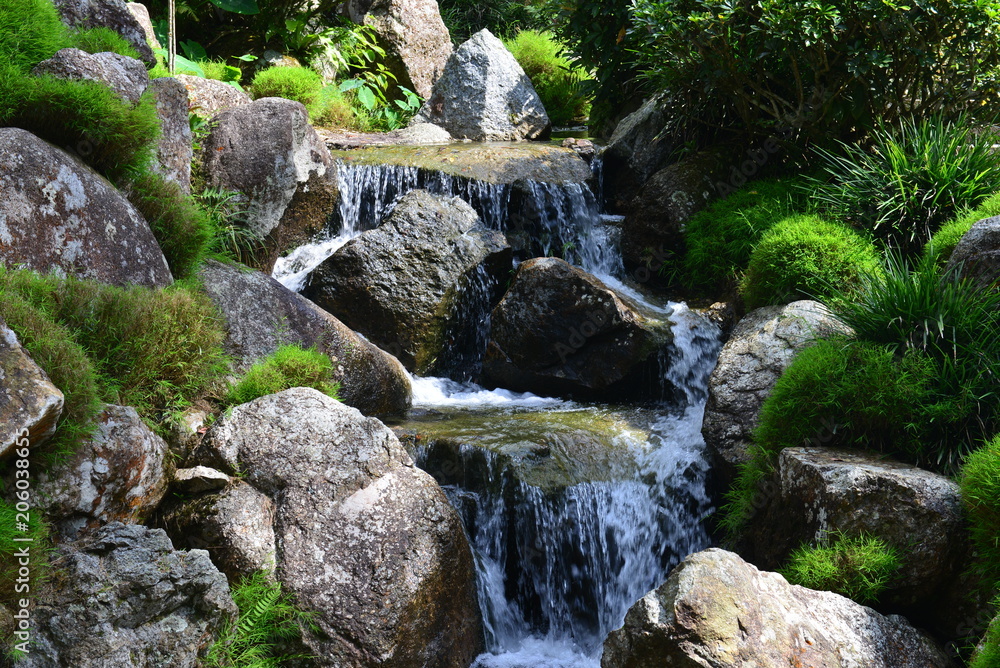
x: 232, y: 238
x: 294, y: 83
x: 97, y: 40
x: 30, y: 32
x: 980, y: 484
x: 289, y: 366
x: 910, y: 180
x: 557, y: 84
x: 941, y: 245
x: 802, y: 257
x: 268, y: 620
x: 38, y: 533
x: 334, y: 111
x: 503, y: 18
x: 218, y: 70
x: 859, y: 568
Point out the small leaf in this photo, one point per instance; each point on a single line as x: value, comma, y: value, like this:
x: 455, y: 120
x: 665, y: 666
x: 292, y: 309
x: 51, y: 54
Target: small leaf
x: 237, y: 6
x: 366, y: 97
x: 350, y: 84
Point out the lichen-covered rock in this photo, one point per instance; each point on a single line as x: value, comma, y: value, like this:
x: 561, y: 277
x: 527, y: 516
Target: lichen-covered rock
x: 416, y: 41
x: 371, y: 380
x: 978, y: 253
x: 365, y: 539
x: 404, y: 284
x: 174, y: 148
x: 484, y: 95
x: 124, y: 597
x: 717, y: 611
x: 29, y: 402
x: 56, y: 214
x: 119, y: 474
x: 113, y: 14
x: 268, y: 152
x: 126, y: 76
x: 760, y: 348
x: 208, y: 96
x: 561, y: 331
x: 141, y: 15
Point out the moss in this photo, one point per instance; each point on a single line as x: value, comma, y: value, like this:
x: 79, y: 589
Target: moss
x: 97, y: 40
x: 30, y: 32
x: 980, y: 484
x: 294, y: 83
x: 859, y: 568
x: 987, y: 655
x: 289, y: 366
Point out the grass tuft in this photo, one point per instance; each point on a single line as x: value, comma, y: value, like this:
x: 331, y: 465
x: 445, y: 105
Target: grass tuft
x: 859, y: 568
x: 289, y: 366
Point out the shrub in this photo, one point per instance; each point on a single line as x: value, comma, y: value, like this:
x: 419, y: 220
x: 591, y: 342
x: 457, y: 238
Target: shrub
x: 941, y: 245
x: 97, y: 40
x: 289, y: 366
x: 557, y: 84
x: 980, y: 484
x: 294, y: 83
x: 910, y: 180
x: 803, y: 257
x: 218, y: 70
x: 859, y: 568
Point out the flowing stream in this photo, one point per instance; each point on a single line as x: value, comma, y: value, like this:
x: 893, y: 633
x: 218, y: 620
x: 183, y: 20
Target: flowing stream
x: 573, y: 510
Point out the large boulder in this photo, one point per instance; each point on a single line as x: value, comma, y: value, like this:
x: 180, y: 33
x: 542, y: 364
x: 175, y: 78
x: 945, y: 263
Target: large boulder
x: 760, y: 348
x: 208, y: 96
x: 818, y: 492
x: 127, y: 77
x: 561, y: 331
x: 124, y: 597
x: 364, y: 539
x: 119, y: 474
x: 371, y: 380
x: 174, y: 148
x: 636, y: 150
x: 977, y: 255
x: 112, y: 14
x: 269, y: 153
x: 409, y: 284
x: 717, y: 611
x: 416, y: 41
x: 30, y: 405
x: 484, y: 95
x: 141, y: 14
x: 57, y: 214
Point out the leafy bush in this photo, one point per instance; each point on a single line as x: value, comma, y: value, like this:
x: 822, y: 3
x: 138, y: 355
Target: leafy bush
x: 941, y: 245
x: 557, y: 84
x: 289, y: 366
x: 294, y: 83
x: 801, y: 258
x: 910, y: 180
x: 980, y: 484
x: 859, y: 568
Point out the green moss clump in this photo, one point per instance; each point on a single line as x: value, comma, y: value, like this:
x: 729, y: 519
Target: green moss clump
x: 294, y: 83
x: 98, y: 40
x: 289, y: 366
x: 30, y: 32
x: 980, y: 484
x: 988, y: 654
x: 859, y: 568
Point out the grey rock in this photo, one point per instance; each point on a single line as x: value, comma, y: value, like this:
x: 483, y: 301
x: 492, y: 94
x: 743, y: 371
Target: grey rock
x: 268, y: 152
x: 126, y: 76
x: 174, y: 148
x: 760, y: 348
x: 637, y: 150
x: 717, y: 611
x: 208, y: 96
x: 561, y: 331
x: 366, y: 539
x: 484, y: 95
x: 371, y: 380
x: 978, y: 254
x: 186, y: 431
x: 30, y: 405
x: 57, y: 214
x: 199, y: 479
x: 119, y: 474
x: 141, y: 15
x: 113, y: 14
x: 402, y: 283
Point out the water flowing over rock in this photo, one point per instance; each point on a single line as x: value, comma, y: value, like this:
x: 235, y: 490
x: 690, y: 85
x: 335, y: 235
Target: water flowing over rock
x: 415, y: 39
x: 58, y: 214
x: 209, y: 97
x: 413, y: 284
x: 113, y: 14
x: 760, y: 348
x: 261, y: 314
x: 119, y: 474
x: 126, y: 76
x: 717, y: 611
x: 28, y: 399
x: 173, y: 150
x: 560, y: 330
x: 484, y: 95
x: 267, y: 151
x: 124, y: 597
x: 978, y: 254
x: 364, y: 538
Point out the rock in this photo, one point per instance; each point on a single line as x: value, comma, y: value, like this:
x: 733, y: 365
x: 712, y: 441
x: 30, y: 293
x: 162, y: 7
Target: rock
x: 199, y: 479
x: 978, y: 253
x: 208, y: 96
x: 371, y: 380
x: 268, y: 152
x: 416, y: 42
x: 637, y: 150
x: 484, y: 95
x: 56, y: 214
x: 141, y: 15
x: 760, y: 348
x: 409, y: 285
x: 127, y: 77
x: 583, y: 147
x: 113, y: 14
x: 717, y: 611
x: 186, y: 431
x: 655, y: 217
x: 29, y: 403
x: 819, y: 491
x: 124, y: 597
x: 173, y: 150
x: 561, y: 331
x: 119, y: 474
x: 274, y: 58
x: 367, y: 540
x: 236, y: 526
